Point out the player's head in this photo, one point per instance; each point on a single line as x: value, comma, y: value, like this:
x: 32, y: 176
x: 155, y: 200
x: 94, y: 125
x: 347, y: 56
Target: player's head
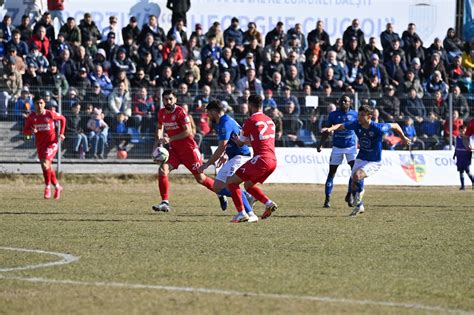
x: 40, y: 105
x: 169, y: 99
x: 215, y: 109
x: 345, y: 103
x: 365, y: 114
x: 462, y: 130
x: 255, y: 103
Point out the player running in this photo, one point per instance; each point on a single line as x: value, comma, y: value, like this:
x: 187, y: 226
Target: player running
x: 463, y: 158
x: 228, y: 150
x: 343, y: 145
x: 41, y: 123
x: 259, y: 131
x: 369, y: 158
x: 174, y: 128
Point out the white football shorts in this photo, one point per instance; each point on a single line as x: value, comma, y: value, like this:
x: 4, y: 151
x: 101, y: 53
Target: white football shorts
x: 338, y: 154
x: 369, y: 167
x: 229, y: 167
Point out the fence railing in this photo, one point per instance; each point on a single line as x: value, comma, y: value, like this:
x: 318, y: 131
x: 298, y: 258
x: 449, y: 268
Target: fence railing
x: 130, y: 119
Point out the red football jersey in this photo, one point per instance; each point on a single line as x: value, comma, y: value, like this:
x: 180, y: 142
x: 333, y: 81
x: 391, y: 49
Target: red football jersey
x: 174, y: 123
x: 45, y: 129
x: 470, y: 128
x: 260, y: 129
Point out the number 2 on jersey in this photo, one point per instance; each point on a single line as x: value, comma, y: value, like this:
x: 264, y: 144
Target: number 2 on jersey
x: 263, y: 134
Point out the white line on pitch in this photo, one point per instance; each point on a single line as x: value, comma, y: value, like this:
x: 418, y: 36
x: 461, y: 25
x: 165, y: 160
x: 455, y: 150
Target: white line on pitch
x: 66, y: 259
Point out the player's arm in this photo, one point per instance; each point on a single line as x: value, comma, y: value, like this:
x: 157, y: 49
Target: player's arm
x: 28, y: 127
x: 398, y: 130
x: 333, y: 128
x: 158, y: 135
x: 216, y: 155
x: 62, y: 120
x: 186, y: 133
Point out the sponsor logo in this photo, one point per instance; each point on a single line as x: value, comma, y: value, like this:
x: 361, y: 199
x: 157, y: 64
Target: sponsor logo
x: 414, y: 166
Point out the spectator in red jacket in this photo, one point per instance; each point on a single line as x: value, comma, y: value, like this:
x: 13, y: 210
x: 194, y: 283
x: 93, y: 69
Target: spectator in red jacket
x: 41, y: 41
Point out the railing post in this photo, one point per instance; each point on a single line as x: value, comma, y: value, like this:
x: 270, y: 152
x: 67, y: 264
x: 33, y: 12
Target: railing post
x: 450, y: 115
x: 60, y: 107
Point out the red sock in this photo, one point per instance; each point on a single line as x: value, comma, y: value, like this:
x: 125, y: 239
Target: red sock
x: 164, y: 186
x: 47, y: 176
x: 236, y: 196
x: 257, y: 193
x: 208, y: 183
x: 54, y: 180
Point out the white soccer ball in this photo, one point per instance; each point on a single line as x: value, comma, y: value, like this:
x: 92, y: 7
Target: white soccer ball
x: 160, y: 155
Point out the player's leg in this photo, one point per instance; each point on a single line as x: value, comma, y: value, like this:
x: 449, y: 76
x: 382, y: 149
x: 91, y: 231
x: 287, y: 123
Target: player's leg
x: 350, y: 196
x: 358, y: 176
x: 45, y: 166
x: 329, y: 184
x: 256, y: 192
x: 471, y: 176
x: 163, y: 185
x: 233, y: 183
x: 461, y: 178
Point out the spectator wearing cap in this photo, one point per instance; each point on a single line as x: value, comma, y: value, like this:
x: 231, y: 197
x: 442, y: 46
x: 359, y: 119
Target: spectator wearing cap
x: 250, y: 82
x: 109, y: 46
x: 211, y: 50
x: 55, y: 80
x: 296, y: 33
x: 395, y: 49
x: 275, y: 65
x: 436, y: 83
x: 123, y: 63
x: 98, y: 99
x: 415, y: 66
x: 24, y: 105
x: 375, y: 68
x: 150, y: 68
x: 198, y: 33
x: 453, y: 44
x: 71, y: 99
x: 389, y: 105
x: 7, y: 28
x: 100, y: 59
x: 20, y: 46
x: 245, y: 63
x: 415, y: 52
x: 396, y: 70
x: 319, y: 36
x: 353, y: 51
x: 216, y: 31
x: 48, y: 25
x: 268, y: 101
x: 112, y: 28
x: 151, y: 47
x: 81, y: 82
x: 131, y: 30
x: 360, y: 87
x: 293, y: 45
x: 253, y: 33
x: 19, y: 63
x: 351, y: 31
x: 312, y: 69
x: 409, y: 36
x: 387, y: 36
x: 56, y: 8
x: 72, y: 33
x: 370, y: 49
x: 154, y: 29
x: 32, y: 79
x: 278, y: 31
x: 41, y: 41
x: 98, y: 76
x: 228, y: 63
x: 25, y: 28
x: 179, y: 32
x: 89, y: 29
x: 437, y: 47
x: 66, y: 65
x: 234, y: 31
x: 58, y: 45
x: 171, y: 47
x: 410, y: 82
x: 274, y: 46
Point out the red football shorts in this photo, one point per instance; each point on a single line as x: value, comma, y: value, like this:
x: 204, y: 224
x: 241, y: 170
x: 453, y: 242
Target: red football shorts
x: 48, y: 152
x: 257, y: 169
x: 189, y: 157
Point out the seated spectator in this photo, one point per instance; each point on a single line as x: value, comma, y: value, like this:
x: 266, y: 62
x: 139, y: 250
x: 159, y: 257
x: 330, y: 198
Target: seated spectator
x: 353, y: 51
x: 277, y: 118
x: 123, y: 63
x: 32, y: 79
x: 20, y: 46
x: 430, y: 131
x: 170, y: 47
x: 71, y: 99
x: 228, y: 63
x: 268, y: 101
x: 242, y: 112
x: 151, y: 47
x: 339, y: 52
x: 216, y: 32
x: 460, y: 103
x: 228, y: 96
x: 75, y: 132
x: 72, y: 33
x: 120, y: 101
x: 183, y: 96
x: 292, y: 79
x: 437, y: 105
x: 414, y: 107
x: 41, y: 41
x: 396, y: 70
x: 192, y: 49
x: 190, y: 66
x: 81, y: 82
x: 49, y: 100
x: 211, y: 50
x: 375, y: 87
x: 275, y: 65
x: 437, y: 47
x: 24, y: 105
x: 191, y: 83
x: 89, y: 28
x: 453, y: 44
x: 329, y: 78
x: 273, y: 47
x: 360, y: 87
x: 166, y: 79
x: 153, y: 28
x: 415, y: 53
x: 312, y: 69
x: 457, y: 123
x: 36, y: 57
x: 370, y: 49
x: 436, y: 83
x: 468, y: 56
x: 95, y: 97
x: 375, y: 69
x: 286, y: 98
x: 410, y: 131
x: 410, y: 82
x: 100, y: 59
x: 98, y: 130
x: 98, y: 76
x: 150, y: 68
x: 208, y: 66
x: 432, y: 65
x: 143, y: 111
x: 390, y: 106
x: 252, y: 33
x: 387, y: 36
x: 178, y: 31
x: 209, y: 80
x: 53, y: 78
x: 456, y: 74
x: 291, y: 126
x: 250, y: 82
x: 197, y: 136
x: 119, y: 131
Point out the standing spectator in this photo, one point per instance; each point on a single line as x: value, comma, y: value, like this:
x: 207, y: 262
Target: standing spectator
x: 179, y: 9
x: 278, y: 31
x: 89, y: 29
x: 56, y: 8
x: 252, y: 33
x: 387, y: 36
x: 131, y: 30
x: 179, y: 32
x: 216, y: 31
x: 319, y: 35
x: 234, y: 31
x: 72, y: 33
x: 410, y: 35
x: 154, y: 29
x: 353, y: 31
x: 48, y: 25
x: 25, y: 28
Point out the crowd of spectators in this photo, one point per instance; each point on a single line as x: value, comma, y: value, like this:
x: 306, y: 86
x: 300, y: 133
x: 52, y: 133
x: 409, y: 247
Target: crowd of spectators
x: 109, y: 81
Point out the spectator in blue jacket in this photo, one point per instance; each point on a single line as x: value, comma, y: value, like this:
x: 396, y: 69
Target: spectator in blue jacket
x: 234, y: 31
x: 414, y: 107
x: 99, y: 76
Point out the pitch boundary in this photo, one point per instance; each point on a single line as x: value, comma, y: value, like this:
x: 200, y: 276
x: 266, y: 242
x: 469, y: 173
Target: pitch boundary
x: 67, y: 259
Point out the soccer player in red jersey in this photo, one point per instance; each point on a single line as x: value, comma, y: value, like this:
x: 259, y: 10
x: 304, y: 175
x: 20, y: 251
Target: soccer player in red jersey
x: 174, y: 128
x: 258, y: 131
x: 468, y: 139
x: 41, y: 124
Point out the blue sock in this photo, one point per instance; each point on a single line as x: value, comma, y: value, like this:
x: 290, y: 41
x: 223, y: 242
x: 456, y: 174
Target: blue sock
x: 360, y: 185
x: 461, y: 177
x: 349, y: 189
x: 225, y: 192
x: 329, y: 184
x: 247, y: 206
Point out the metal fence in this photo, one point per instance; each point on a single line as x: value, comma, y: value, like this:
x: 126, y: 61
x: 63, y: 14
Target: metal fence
x: 130, y: 119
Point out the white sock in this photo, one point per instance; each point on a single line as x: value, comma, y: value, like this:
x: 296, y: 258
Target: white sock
x: 269, y: 202
x: 165, y: 201
x: 48, y: 186
x: 57, y: 185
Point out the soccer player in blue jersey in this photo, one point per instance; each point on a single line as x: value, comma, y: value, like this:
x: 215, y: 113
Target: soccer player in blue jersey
x: 228, y: 154
x: 343, y: 145
x: 463, y: 158
x: 369, y: 158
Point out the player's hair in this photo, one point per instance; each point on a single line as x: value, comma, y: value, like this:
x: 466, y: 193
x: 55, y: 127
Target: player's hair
x: 215, y: 105
x: 168, y: 92
x: 255, y: 100
x: 344, y: 97
x: 366, y: 109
